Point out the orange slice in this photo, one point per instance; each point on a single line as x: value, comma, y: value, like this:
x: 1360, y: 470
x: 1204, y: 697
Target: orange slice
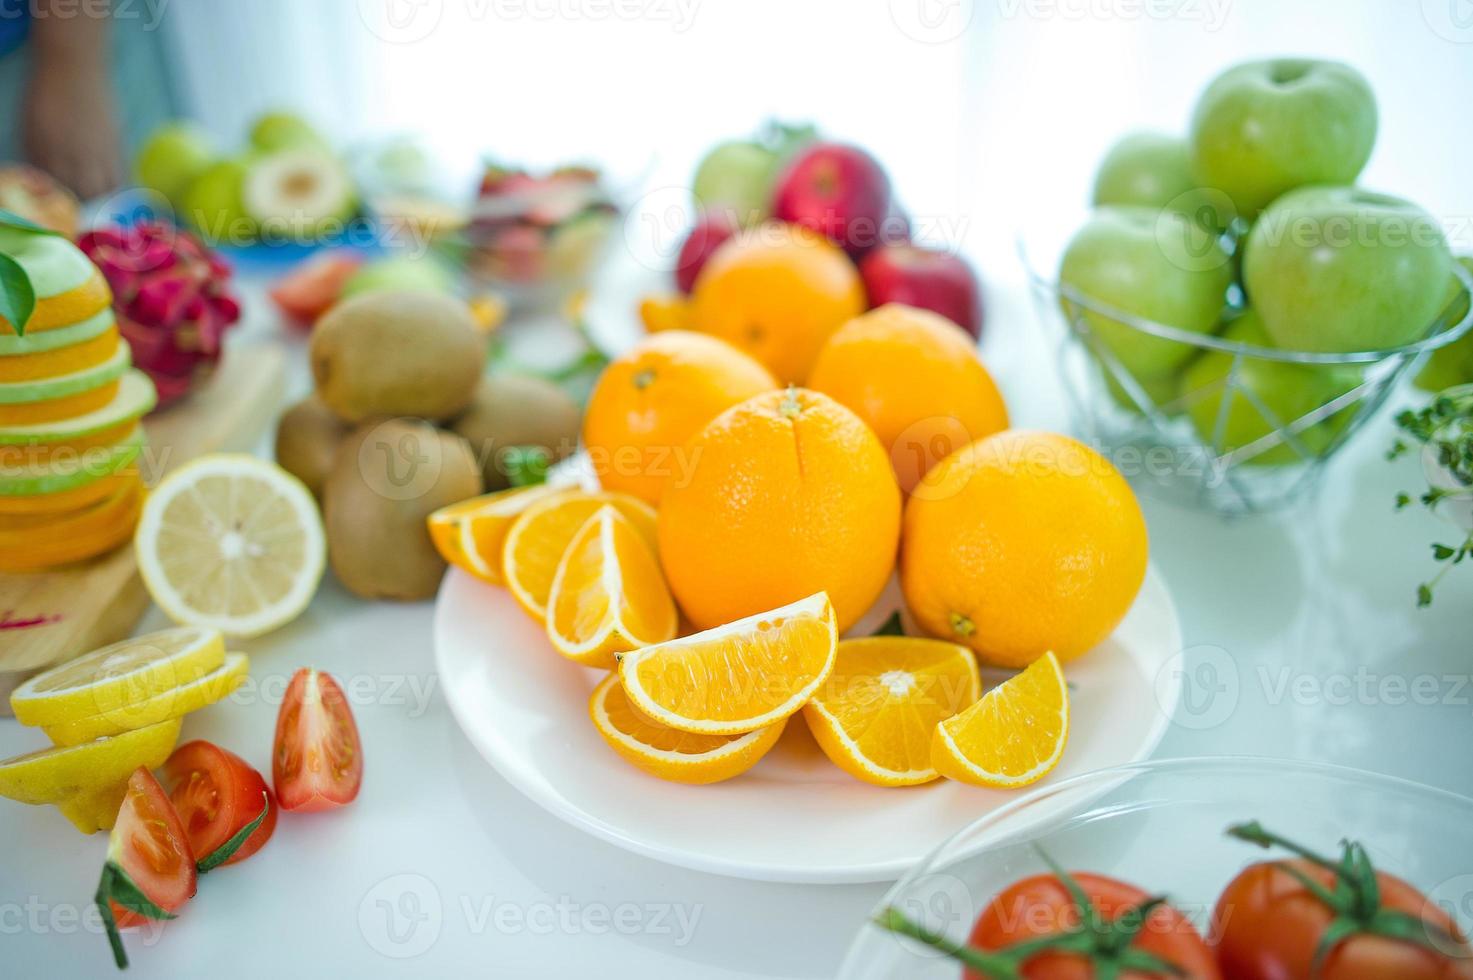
x: 739, y: 677
x: 470, y: 534
x: 1013, y: 736
x: 537, y: 539
x: 669, y: 753
x: 59, y: 409
x: 75, y: 537
x: 45, y: 453
x: 875, y: 715
x: 52, y: 504
x: 65, y: 360
x: 608, y: 595
x: 65, y: 309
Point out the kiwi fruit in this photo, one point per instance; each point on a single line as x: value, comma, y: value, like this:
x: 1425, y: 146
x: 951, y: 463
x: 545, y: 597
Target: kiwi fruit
x: 386, y: 478
x: 401, y: 353
x: 514, y: 410
x: 307, y: 438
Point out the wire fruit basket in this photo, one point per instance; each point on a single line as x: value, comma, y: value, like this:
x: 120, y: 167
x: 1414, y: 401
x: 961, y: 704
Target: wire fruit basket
x: 1242, y: 427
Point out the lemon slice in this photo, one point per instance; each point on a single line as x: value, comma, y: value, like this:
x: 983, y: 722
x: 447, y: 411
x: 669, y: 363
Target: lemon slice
x: 176, y: 702
x: 232, y: 542
x: 118, y: 675
x: 86, y: 782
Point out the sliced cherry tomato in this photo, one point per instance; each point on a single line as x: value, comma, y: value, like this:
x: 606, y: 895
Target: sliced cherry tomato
x: 1042, y: 906
x: 317, y: 762
x: 217, y: 795
x: 149, y: 850
x: 1269, y: 925
x: 309, y: 290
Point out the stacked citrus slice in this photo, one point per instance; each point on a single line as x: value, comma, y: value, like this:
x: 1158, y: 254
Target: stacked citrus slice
x: 109, y: 712
x: 70, y: 406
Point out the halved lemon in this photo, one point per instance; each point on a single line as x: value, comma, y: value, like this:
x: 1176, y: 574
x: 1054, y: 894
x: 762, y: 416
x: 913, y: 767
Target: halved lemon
x: 738, y: 677
x: 875, y: 715
x: 669, y: 753
x: 1013, y: 736
x: 470, y: 534
x: 86, y: 782
x: 608, y: 595
x: 118, y: 675
x: 537, y: 539
x: 232, y: 542
x: 176, y: 702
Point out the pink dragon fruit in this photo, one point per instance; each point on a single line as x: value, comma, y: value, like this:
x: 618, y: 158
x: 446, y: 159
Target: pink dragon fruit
x: 172, y: 299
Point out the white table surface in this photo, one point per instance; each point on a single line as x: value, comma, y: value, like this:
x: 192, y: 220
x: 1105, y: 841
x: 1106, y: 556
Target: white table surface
x: 1303, y: 641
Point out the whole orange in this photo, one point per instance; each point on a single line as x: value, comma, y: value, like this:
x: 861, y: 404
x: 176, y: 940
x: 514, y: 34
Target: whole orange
x: 1021, y: 543
x: 916, y: 379
x: 777, y: 292
x: 790, y: 494
x: 651, y: 400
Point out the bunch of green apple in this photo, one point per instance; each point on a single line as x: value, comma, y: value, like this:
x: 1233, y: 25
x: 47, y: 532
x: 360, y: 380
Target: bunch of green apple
x: 286, y: 185
x: 1250, y: 226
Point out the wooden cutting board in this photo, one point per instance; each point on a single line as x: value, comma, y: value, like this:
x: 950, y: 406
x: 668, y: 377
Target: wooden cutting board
x: 49, y: 617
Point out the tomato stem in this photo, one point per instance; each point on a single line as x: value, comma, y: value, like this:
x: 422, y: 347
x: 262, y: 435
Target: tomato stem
x: 996, y: 967
x: 227, y: 850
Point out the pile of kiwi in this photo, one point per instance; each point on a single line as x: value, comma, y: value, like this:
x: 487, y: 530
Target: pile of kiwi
x: 404, y: 421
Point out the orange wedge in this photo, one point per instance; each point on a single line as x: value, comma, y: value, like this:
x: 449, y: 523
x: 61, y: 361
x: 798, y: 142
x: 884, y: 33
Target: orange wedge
x: 681, y: 757
x: 1013, y: 736
x: 875, y: 715
x: 470, y: 534
x: 739, y: 677
x: 608, y: 595
x: 537, y: 539
x: 65, y: 360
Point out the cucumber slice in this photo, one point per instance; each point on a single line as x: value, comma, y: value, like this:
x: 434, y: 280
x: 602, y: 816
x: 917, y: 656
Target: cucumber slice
x: 135, y: 398
x: 21, y: 392
x: 75, y: 471
x: 41, y: 341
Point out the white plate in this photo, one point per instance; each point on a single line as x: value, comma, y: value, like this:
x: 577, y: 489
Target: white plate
x: 795, y: 817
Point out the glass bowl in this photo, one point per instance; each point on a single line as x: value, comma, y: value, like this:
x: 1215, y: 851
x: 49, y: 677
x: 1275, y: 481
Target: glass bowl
x: 1160, y: 825
x: 1218, y: 443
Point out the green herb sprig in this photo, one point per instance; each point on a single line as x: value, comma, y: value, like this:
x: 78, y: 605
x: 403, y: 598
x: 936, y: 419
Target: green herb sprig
x: 1444, y: 426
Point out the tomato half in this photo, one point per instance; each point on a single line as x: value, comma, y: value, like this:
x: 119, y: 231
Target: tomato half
x: 312, y: 288
x: 1267, y: 926
x: 149, y: 844
x: 1042, y: 906
x: 217, y: 795
x: 317, y: 762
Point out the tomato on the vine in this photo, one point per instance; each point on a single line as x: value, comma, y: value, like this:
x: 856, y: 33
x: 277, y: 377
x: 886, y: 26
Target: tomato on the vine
x: 1331, y: 920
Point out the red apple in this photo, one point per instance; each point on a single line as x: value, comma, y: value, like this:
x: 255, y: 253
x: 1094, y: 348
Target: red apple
x: 928, y: 278
x: 711, y: 229
x: 838, y: 191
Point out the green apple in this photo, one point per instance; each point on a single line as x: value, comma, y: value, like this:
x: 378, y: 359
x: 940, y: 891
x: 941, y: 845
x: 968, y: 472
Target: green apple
x: 213, y: 204
x: 136, y: 397
x: 70, y: 471
x: 1265, y: 127
x: 279, y: 130
x: 1153, y: 264
x: 1343, y: 269
x: 399, y: 274
x: 66, y: 385
x: 737, y: 177
x: 172, y: 158
x: 1289, y: 391
x: 1146, y: 168
x: 1162, y: 391
x: 1453, y: 364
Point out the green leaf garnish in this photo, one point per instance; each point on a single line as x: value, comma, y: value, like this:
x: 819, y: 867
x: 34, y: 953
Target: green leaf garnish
x: 116, y: 886
x: 227, y: 850
x: 13, y: 221
x: 17, y: 295
x: 526, y: 466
